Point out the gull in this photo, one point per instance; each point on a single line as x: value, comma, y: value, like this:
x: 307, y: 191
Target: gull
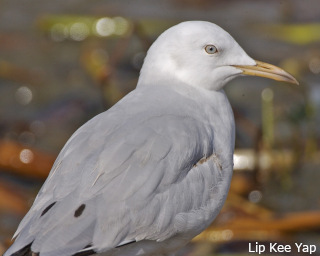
x: 152, y: 172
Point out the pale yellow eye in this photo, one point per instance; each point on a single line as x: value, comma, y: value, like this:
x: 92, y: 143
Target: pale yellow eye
x: 211, y: 49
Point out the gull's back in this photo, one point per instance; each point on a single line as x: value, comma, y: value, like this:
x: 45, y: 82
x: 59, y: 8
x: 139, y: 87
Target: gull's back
x: 148, y: 174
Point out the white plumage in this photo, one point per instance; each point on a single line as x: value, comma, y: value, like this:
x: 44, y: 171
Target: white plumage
x: 152, y: 172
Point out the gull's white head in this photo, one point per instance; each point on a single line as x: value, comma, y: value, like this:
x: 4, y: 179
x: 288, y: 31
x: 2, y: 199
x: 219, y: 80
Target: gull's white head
x: 201, y: 54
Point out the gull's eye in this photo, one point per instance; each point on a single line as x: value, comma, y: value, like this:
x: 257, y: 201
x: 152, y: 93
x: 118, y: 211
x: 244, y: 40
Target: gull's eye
x: 211, y: 49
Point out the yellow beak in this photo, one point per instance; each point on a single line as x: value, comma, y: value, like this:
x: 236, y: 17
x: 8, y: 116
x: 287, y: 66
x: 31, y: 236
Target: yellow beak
x: 267, y: 70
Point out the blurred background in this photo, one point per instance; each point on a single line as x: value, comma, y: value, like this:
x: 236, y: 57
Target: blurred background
x: 63, y: 62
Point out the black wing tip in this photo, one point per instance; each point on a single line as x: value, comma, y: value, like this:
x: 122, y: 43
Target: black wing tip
x: 85, y: 253
x: 25, y: 251
x: 91, y: 251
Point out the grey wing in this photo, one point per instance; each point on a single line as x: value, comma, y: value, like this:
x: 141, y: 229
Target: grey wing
x: 135, y: 180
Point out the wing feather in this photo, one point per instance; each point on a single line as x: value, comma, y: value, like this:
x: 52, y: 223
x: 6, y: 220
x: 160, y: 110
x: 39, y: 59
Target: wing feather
x: 135, y: 169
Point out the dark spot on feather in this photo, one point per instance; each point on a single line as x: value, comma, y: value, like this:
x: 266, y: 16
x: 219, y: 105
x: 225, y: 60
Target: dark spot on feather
x: 23, y: 251
x: 47, y: 209
x: 79, y: 211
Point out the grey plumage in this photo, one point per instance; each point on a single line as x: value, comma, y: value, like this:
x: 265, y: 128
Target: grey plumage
x: 152, y: 172
x: 135, y: 169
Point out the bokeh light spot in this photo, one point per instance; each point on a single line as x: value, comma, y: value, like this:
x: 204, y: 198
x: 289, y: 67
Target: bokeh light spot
x: 243, y: 162
x: 227, y: 234
x: 255, y: 196
x: 122, y: 26
x: 79, y: 31
x: 314, y: 65
x: 105, y: 26
x: 23, y: 95
x: 26, y: 156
